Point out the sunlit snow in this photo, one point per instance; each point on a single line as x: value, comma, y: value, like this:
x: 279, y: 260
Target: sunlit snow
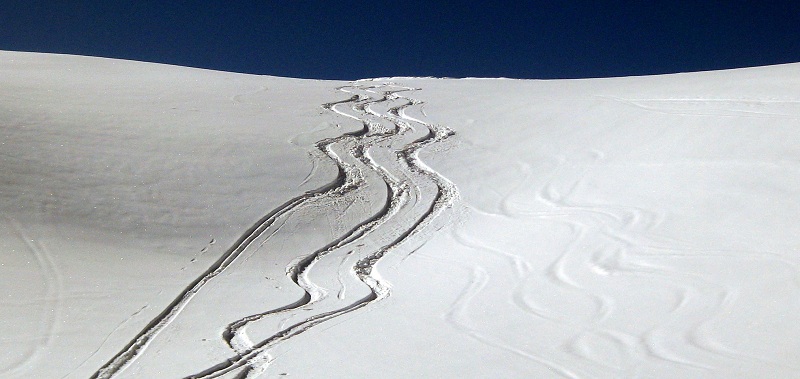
x: 169, y: 222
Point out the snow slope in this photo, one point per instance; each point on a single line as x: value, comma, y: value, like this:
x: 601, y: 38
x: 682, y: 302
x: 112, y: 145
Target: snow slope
x: 162, y: 222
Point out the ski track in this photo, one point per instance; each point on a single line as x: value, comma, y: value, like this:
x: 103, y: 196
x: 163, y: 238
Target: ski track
x: 54, y: 297
x: 457, y: 314
x: 610, y: 240
x: 412, y: 189
x: 105, y: 340
x: 624, y: 228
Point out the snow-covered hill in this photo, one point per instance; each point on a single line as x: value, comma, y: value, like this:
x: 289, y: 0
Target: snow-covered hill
x: 168, y: 222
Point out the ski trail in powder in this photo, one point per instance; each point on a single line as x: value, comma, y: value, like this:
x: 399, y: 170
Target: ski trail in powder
x: 52, y: 306
x: 430, y: 194
x: 387, y: 147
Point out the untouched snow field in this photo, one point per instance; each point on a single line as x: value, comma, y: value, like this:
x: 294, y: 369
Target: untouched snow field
x: 169, y: 222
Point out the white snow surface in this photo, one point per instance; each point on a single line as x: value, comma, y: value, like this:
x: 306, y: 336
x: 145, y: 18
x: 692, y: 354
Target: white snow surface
x: 170, y: 222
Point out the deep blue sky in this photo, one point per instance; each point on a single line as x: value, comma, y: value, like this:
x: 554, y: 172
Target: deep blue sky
x: 351, y: 40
